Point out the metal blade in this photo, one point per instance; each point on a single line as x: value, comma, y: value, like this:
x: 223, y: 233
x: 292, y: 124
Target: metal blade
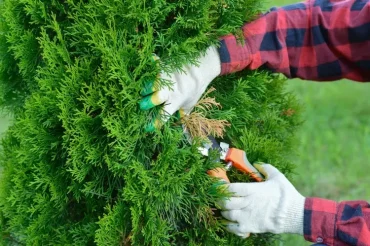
x: 224, y: 150
x: 210, y: 144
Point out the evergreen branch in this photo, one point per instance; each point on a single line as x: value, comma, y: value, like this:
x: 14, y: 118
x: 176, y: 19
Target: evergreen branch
x: 198, y: 125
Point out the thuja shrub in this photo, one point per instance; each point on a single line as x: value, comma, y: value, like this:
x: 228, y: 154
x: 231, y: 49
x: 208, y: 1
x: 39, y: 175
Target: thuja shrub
x: 77, y: 167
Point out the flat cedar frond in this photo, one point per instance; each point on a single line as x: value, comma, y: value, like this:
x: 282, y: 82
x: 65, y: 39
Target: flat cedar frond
x: 200, y: 126
x: 126, y: 241
x: 207, y: 103
x: 206, y: 215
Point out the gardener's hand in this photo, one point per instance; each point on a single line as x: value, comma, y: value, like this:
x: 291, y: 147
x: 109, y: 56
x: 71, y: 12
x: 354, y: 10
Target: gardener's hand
x: 187, y: 88
x: 271, y: 206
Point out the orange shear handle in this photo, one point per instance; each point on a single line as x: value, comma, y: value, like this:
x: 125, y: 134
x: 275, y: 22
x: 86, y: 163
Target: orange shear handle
x: 219, y: 173
x: 239, y: 160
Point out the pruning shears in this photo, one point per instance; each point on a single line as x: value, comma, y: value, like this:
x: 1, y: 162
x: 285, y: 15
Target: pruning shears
x: 232, y: 157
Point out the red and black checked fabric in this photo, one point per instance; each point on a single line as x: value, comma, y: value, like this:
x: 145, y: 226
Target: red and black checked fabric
x: 337, y: 224
x: 320, y: 40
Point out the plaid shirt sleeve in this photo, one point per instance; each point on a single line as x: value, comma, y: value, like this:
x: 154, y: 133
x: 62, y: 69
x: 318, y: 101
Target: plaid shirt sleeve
x: 338, y: 224
x: 320, y: 40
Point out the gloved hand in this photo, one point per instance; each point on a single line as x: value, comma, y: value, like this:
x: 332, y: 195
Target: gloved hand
x: 272, y: 206
x: 187, y: 88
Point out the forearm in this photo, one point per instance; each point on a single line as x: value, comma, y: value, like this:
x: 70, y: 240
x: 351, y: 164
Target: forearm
x: 315, y: 40
x: 332, y: 223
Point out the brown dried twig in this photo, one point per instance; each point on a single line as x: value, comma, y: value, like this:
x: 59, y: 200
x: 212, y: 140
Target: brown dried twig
x: 198, y: 125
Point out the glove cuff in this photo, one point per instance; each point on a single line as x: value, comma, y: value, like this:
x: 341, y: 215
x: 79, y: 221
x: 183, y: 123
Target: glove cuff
x: 211, y: 63
x: 294, y: 218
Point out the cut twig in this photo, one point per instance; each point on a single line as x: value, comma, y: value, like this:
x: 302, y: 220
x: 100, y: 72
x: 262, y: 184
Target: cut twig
x: 198, y: 125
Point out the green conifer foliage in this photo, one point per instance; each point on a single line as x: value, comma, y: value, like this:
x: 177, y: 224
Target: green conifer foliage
x: 77, y: 165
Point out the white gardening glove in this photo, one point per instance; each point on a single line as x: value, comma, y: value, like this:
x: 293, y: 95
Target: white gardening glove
x: 187, y: 88
x: 272, y: 206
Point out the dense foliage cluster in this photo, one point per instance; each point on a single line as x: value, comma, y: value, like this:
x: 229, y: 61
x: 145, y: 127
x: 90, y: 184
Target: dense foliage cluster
x: 77, y: 165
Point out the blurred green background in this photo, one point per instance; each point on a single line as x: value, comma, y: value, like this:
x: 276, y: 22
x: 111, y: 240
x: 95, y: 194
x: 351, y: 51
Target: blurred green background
x: 4, y: 122
x: 334, y: 140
